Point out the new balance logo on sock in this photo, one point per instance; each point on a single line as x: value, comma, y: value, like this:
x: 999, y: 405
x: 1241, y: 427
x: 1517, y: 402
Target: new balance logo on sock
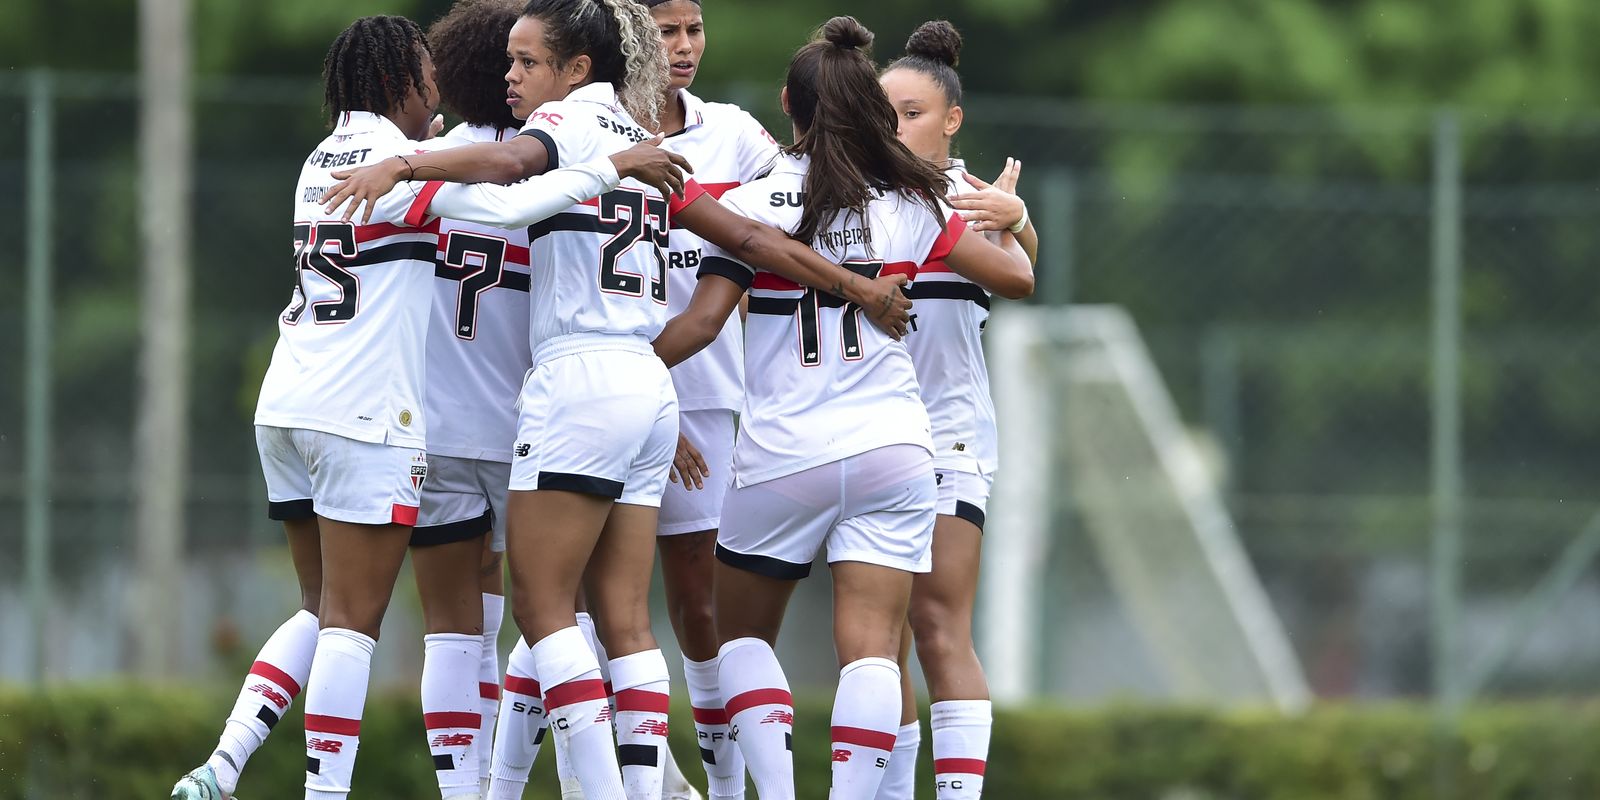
x: 324, y: 745
x: 652, y: 727
x: 451, y: 740
x: 272, y: 695
x: 841, y: 756
x: 781, y: 717
x: 604, y: 715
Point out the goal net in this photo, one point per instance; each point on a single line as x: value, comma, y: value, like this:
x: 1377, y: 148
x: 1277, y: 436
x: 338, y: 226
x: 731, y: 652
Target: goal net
x: 1087, y: 423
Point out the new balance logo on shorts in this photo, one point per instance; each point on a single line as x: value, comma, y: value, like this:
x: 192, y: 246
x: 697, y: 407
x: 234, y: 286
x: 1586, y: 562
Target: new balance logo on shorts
x: 523, y: 449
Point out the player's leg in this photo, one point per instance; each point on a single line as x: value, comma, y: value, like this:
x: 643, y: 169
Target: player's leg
x: 899, y: 778
x: 491, y: 585
x: 874, y: 551
x: 941, y: 617
x: 446, y: 557
x: 769, y: 536
x: 366, y: 499
x: 282, y: 666
x: 687, y: 544
x: 618, y: 589
x: 521, y: 728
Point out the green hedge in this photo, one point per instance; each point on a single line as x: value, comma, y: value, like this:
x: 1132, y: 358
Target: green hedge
x: 129, y: 743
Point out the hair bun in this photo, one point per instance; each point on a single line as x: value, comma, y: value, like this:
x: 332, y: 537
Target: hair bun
x: 846, y: 33
x: 937, y: 40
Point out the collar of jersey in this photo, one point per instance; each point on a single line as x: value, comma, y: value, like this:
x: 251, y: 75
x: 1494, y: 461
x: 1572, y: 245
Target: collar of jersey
x: 366, y: 122
x: 480, y: 133
x: 791, y: 164
x: 693, y: 117
x: 957, y: 163
x: 599, y: 92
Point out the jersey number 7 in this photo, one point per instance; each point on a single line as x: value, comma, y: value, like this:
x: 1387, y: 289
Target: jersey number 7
x: 311, y: 252
x: 477, y: 262
x: 810, y: 311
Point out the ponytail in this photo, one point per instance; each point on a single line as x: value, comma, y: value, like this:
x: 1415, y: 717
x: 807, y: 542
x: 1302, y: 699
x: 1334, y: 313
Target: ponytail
x: 848, y: 128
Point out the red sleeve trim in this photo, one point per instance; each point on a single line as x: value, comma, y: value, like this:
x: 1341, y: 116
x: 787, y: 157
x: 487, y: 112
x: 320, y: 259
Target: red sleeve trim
x: 692, y: 191
x: 418, y: 212
x: 947, y: 240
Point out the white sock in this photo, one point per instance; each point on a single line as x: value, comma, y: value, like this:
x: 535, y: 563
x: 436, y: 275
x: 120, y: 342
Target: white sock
x: 336, y: 693
x: 723, y: 762
x: 280, y: 669
x: 494, y: 611
x: 642, y: 686
x: 960, y: 747
x: 568, y: 777
x: 866, y: 716
x: 450, y: 709
x: 757, y: 701
x: 900, y: 777
x: 521, y: 727
x: 575, y: 700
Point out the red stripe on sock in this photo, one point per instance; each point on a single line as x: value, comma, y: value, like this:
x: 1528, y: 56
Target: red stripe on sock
x: 710, y: 716
x: 608, y: 689
x: 516, y: 684
x: 863, y: 737
x: 451, y: 719
x: 641, y: 700
x: 759, y: 697
x: 338, y: 726
x: 965, y: 766
x: 262, y: 669
x: 488, y: 691
x: 573, y: 692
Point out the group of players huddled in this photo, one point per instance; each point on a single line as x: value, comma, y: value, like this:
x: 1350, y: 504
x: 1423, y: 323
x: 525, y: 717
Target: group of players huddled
x: 521, y: 337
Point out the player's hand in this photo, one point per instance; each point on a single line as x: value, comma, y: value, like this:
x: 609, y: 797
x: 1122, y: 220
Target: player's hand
x: 362, y: 186
x: 435, y: 126
x: 992, y: 207
x: 647, y: 163
x: 688, y: 466
x: 887, y: 306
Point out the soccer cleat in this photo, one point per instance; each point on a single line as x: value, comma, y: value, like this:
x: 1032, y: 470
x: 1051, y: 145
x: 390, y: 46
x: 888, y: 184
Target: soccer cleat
x: 199, y: 784
x: 685, y: 793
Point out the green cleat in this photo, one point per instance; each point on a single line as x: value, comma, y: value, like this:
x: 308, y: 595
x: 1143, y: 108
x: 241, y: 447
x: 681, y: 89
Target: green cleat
x: 199, y: 784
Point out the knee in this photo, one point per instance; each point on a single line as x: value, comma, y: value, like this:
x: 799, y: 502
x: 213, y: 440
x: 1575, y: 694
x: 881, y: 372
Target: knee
x: 939, y: 633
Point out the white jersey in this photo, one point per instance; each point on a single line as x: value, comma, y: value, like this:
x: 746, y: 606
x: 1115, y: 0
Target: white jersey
x: 823, y: 384
x: 946, y: 344
x: 478, y: 338
x: 598, y: 266
x: 727, y: 148
x: 349, y: 358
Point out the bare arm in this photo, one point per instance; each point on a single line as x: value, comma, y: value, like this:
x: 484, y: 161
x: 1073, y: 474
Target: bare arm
x: 715, y: 297
x: 1003, y: 268
x: 491, y: 162
x: 770, y: 249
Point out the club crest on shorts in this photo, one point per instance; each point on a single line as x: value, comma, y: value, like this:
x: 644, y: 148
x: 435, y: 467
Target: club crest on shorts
x: 419, y: 470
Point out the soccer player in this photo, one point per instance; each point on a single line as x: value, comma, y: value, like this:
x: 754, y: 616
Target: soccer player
x: 599, y: 417
x: 728, y: 147
x: 947, y: 349
x: 477, y: 355
x: 340, y: 422
x: 834, y: 447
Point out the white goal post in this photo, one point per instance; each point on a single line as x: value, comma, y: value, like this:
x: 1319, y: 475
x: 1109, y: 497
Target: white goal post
x: 1083, y: 411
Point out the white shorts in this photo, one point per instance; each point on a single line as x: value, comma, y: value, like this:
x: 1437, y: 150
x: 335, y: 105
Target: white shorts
x: 602, y: 420
x: 463, y: 499
x: 876, y: 508
x: 311, y: 473
x: 964, y: 494
x: 711, y: 431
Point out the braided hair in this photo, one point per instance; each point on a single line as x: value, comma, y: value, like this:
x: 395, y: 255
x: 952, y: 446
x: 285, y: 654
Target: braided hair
x: 622, y: 42
x: 372, y: 66
x: 469, y: 57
